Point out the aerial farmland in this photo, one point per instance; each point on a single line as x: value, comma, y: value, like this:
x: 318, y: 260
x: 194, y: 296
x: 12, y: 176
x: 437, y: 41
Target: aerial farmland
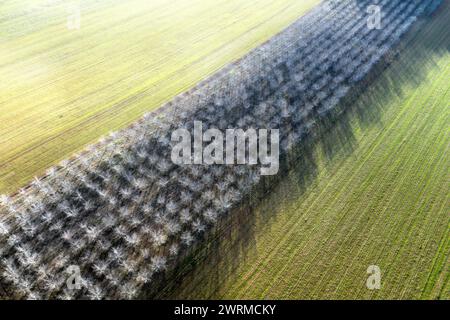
x: 200, y: 149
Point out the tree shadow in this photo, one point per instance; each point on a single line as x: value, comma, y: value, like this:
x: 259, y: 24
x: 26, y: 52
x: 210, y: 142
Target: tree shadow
x: 202, y: 274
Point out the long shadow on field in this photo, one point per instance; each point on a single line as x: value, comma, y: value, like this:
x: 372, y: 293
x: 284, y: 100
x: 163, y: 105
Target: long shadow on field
x: 203, y: 274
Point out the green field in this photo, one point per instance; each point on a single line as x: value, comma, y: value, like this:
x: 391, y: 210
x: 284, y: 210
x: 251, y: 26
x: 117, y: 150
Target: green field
x: 373, y: 190
x: 61, y: 89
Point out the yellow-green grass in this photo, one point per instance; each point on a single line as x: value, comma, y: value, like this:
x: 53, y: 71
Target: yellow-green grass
x: 61, y: 89
x: 373, y: 191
